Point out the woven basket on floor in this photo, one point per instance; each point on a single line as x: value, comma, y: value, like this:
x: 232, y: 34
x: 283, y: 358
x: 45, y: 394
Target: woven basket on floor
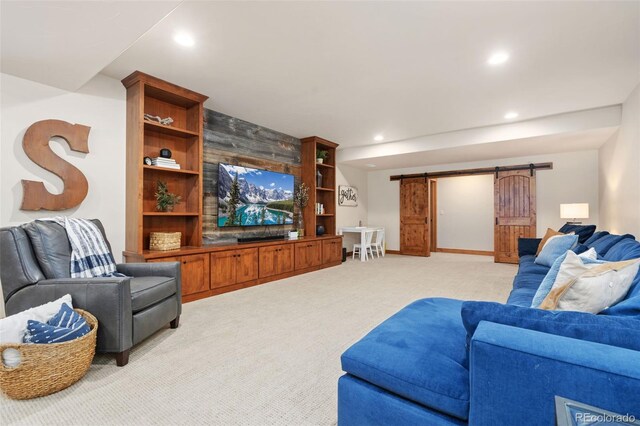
x: 48, y: 368
x: 164, y: 240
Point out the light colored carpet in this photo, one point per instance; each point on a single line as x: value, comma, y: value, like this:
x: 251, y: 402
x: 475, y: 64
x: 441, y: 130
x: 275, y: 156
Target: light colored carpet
x: 265, y: 355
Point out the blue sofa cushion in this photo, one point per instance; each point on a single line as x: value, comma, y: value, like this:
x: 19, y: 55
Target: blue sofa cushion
x: 594, y: 237
x: 602, y: 245
x: 530, y: 281
x: 584, y: 232
x: 419, y: 354
x: 623, y: 332
x: 522, y: 296
x: 624, y: 249
x: 529, y: 266
x: 555, y: 247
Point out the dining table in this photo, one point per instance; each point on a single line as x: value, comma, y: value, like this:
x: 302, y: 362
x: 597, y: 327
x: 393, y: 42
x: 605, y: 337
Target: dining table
x: 362, y: 230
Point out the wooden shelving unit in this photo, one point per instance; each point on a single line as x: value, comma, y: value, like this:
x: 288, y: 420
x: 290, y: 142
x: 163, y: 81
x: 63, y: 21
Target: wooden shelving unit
x: 326, y: 194
x: 150, y: 95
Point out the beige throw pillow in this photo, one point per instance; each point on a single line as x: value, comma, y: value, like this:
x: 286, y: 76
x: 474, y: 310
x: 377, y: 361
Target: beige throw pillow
x: 591, y: 287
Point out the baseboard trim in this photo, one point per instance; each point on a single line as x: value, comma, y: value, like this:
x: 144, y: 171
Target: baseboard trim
x: 464, y: 251
x: 392, y: 251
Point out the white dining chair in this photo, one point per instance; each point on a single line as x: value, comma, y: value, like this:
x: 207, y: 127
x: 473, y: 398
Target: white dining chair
x: 368, y: 237
x: 378, y: 244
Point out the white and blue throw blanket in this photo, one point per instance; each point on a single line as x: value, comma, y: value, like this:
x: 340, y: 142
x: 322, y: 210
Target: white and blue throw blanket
x: 90, y: 254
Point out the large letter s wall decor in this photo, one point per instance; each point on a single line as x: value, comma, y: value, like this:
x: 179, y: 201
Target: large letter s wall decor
x: 36, y: 145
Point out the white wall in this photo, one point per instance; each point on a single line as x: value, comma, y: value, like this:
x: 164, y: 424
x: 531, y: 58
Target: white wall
x: 351, y: 216
x: 101, y: 105
x: 619, y: 170
x: 574, y: 179
x: 465, y: 212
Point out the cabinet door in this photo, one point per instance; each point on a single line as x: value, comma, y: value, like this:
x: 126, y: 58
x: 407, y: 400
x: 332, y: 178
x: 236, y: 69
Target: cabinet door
x: 301, y: 255
x: 223, y: 268
x: 285, y: 258
x: 267, y: 261
x: 332, y: 250
x: 246, y: 265
x: 315, y: 253
x: 194, y: 270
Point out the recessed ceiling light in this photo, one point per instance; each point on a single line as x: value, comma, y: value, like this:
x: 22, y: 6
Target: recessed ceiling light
x: 498, y: 58
x: 378, y: 138
x: 511, y: 115
x: 371, y: 165
x: 184, y: 39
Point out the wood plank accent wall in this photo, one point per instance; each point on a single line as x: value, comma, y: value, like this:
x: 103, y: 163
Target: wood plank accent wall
x: 234, y: 141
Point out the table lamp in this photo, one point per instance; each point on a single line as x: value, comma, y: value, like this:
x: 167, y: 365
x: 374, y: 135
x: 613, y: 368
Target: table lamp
x: 574, y: 211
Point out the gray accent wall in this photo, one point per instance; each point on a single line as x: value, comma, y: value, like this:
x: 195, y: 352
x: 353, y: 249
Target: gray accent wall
x: 233, y: 141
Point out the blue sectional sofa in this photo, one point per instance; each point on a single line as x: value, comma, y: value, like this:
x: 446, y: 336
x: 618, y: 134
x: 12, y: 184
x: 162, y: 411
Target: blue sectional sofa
x: 448, y: 362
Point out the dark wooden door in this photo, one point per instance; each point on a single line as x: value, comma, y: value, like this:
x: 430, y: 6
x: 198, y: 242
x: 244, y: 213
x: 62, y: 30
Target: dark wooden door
x: 332, y: 250
x: 515, y: 211
x: 246, y: 265
x: 223, y: 269
x: 414, y: 217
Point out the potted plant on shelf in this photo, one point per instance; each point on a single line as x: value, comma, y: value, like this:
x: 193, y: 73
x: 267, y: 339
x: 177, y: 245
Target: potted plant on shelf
x: 165, y: 200
x: 321, y: 155
x: 301, y: 199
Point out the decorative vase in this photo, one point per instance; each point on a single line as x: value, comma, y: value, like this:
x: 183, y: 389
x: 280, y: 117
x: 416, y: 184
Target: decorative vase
x: 319, y: 160
x: 300, y: 225
x: 319, y: 179
x: 319, y: 230
x: 169, y: 208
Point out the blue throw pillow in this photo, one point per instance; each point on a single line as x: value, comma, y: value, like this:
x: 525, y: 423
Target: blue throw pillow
x: 618, y: 331
x: 550, y: 278
x: 67, y: 317
x: 66, y: 325
x: 554, y: 248
x: 584, y: 232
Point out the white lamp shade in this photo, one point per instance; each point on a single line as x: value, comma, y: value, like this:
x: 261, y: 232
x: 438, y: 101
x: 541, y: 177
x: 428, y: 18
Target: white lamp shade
x: 574, y: 211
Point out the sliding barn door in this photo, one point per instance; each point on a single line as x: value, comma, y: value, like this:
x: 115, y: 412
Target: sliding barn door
x: 414, y: 217
x: 515, y: 211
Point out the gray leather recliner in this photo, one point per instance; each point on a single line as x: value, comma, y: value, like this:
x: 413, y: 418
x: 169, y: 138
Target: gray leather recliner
x: 35, y: 269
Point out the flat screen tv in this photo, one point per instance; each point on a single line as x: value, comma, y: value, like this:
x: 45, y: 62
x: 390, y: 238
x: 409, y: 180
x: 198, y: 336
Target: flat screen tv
x: 253, y: 197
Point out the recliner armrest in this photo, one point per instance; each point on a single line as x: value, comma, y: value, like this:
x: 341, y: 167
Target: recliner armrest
x: 155, y: 269
x: 108, y: 299
x: 516, y: 373
x: 528, y: 246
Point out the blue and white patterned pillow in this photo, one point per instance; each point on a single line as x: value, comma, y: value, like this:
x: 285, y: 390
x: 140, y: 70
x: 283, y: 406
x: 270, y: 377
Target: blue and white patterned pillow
x: 66, y: 325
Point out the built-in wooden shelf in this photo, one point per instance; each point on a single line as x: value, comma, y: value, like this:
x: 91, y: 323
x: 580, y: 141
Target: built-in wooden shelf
x: 169, y: 130
x: 324, y: 189
x: 167, y: 169
x: 325, y: 215
x: 177, y: 214
x: 329, y: 166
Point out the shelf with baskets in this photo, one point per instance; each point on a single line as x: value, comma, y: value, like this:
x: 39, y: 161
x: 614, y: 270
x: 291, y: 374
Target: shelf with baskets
x: 183, y: 137
x: 325, y: 194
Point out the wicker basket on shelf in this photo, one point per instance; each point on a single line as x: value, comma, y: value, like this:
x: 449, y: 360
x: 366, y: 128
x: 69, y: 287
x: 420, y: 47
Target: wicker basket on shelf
x: 48, y: 368
x: 164, y: 240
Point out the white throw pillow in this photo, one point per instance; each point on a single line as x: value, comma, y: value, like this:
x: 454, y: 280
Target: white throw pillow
x: 591, y: 287
x: 14, y: 327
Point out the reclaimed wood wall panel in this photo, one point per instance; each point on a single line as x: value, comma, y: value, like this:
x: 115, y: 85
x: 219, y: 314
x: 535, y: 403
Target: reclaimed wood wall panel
x: 234, y: 141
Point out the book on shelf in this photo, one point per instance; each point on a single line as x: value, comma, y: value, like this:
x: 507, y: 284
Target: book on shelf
x: 163, y: 160
x: 319, y: 208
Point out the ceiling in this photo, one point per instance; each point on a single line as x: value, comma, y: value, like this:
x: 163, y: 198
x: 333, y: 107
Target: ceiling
x: 345, y: 71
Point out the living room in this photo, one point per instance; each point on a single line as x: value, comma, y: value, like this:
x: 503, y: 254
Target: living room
x: 320, y: 212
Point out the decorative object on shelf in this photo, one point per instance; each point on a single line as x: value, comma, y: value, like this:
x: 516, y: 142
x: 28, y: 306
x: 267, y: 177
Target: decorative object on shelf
x: 167, y: 163
x: 36, y: 145
x: 165, y: 200
x: 163, y: 241
x: 156, y: 118
x: 319, y: 230
x: 300, y: 199
x: 147, y: 161
x: 293, y: 235
x: 347, y: 196
x: 321, y: 155
x: 165, y: 153
x: 318, y: 179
